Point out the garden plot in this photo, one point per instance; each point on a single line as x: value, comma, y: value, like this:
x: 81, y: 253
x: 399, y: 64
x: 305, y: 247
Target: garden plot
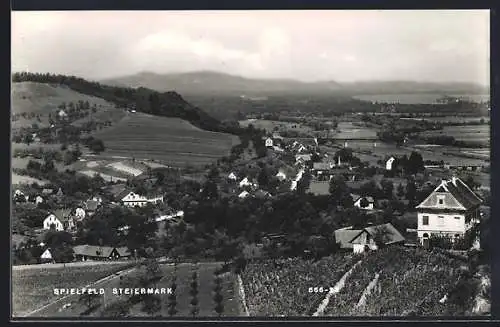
x: 126, y: 169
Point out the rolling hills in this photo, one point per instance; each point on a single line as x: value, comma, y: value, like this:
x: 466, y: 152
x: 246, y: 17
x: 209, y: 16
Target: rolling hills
x: 162, y: 127
x: 215, y: 83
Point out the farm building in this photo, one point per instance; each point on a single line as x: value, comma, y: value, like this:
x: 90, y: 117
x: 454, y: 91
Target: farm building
x: 46, y: 256
x: 363, y: 202
x: 269, y: 142
x: 371, y: 237
x: 38, y: 199
x: 19, y: 196
x: 59, y: 220
x: 246, y: 182
x: 135, y: 200
x: 390, y: 163
x: 320, y: 168
x: 278, y: 148
x: 94, y: 252
x: 343, y: 237
x: 450, y: 210
x: 232, y: 176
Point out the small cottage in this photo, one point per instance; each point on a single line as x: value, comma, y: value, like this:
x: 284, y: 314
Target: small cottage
x: 363, y: 202
x: 370, y: 238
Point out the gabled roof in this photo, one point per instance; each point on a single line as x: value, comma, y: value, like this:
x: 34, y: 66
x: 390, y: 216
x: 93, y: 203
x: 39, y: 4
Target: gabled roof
x: 460, y: 192
x: 118, y: 191
x: 388, y: 233
x: 62, y: 214
x: 93, y: 250
x: 344, y: 236
x: 123, y: 251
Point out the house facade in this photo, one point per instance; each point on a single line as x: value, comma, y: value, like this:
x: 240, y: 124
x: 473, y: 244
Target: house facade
x: 53, y: 222
x: 389, y: 164
x: 450, y: 210
x: 269, y: 142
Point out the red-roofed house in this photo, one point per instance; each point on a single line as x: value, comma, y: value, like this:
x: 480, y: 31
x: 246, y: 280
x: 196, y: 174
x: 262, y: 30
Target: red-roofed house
x: 450, y: 210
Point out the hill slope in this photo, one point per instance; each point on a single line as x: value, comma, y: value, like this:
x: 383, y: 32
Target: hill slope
x: 172, y: 141
x: 167, y: 104
x: 207, y: 82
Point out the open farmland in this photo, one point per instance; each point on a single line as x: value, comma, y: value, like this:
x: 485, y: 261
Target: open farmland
x: 425, y: 98
x: 409, y: 281
x: 451, y: 119
x: 32, y: 286
x: 373, y: 151
x: 171, y: 141
x: 474, y: 133
x: 270, y: 125
x: 348, y: 130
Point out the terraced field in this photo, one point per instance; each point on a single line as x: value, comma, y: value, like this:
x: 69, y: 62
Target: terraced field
x: 171, y: 141
x: 395, y: 281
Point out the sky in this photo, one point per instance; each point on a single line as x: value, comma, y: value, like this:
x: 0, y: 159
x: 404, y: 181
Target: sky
x: 342, y: 45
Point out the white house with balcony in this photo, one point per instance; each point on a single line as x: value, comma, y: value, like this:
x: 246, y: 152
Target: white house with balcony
x: 136, y: 200
x: 450, y: 210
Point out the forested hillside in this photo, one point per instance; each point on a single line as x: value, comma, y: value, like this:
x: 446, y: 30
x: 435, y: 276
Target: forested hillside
x: 167, y: 104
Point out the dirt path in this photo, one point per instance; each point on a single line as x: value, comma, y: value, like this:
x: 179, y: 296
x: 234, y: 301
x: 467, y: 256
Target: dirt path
x: 337, y: 288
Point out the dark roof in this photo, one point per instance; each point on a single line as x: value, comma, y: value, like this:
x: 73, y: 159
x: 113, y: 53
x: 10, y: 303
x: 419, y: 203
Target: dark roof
x: 344, y: 236
x: 459, y: 192
x: 93, y: 250
x: 463, y: 193
x: 62, y: 214
x: 91, y: 205
x: 319, y: 187
x: 118, y: 191
x: 389, y: 233
x: 123, y: 251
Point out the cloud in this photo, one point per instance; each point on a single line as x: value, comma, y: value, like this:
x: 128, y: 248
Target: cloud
x: 307, y: 45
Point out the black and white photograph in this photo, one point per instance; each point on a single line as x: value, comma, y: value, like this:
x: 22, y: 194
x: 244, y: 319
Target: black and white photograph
x: 250, y: 164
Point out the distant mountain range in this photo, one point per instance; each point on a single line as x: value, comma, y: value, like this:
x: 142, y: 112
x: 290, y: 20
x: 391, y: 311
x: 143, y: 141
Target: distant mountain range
x: 215, y: 83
